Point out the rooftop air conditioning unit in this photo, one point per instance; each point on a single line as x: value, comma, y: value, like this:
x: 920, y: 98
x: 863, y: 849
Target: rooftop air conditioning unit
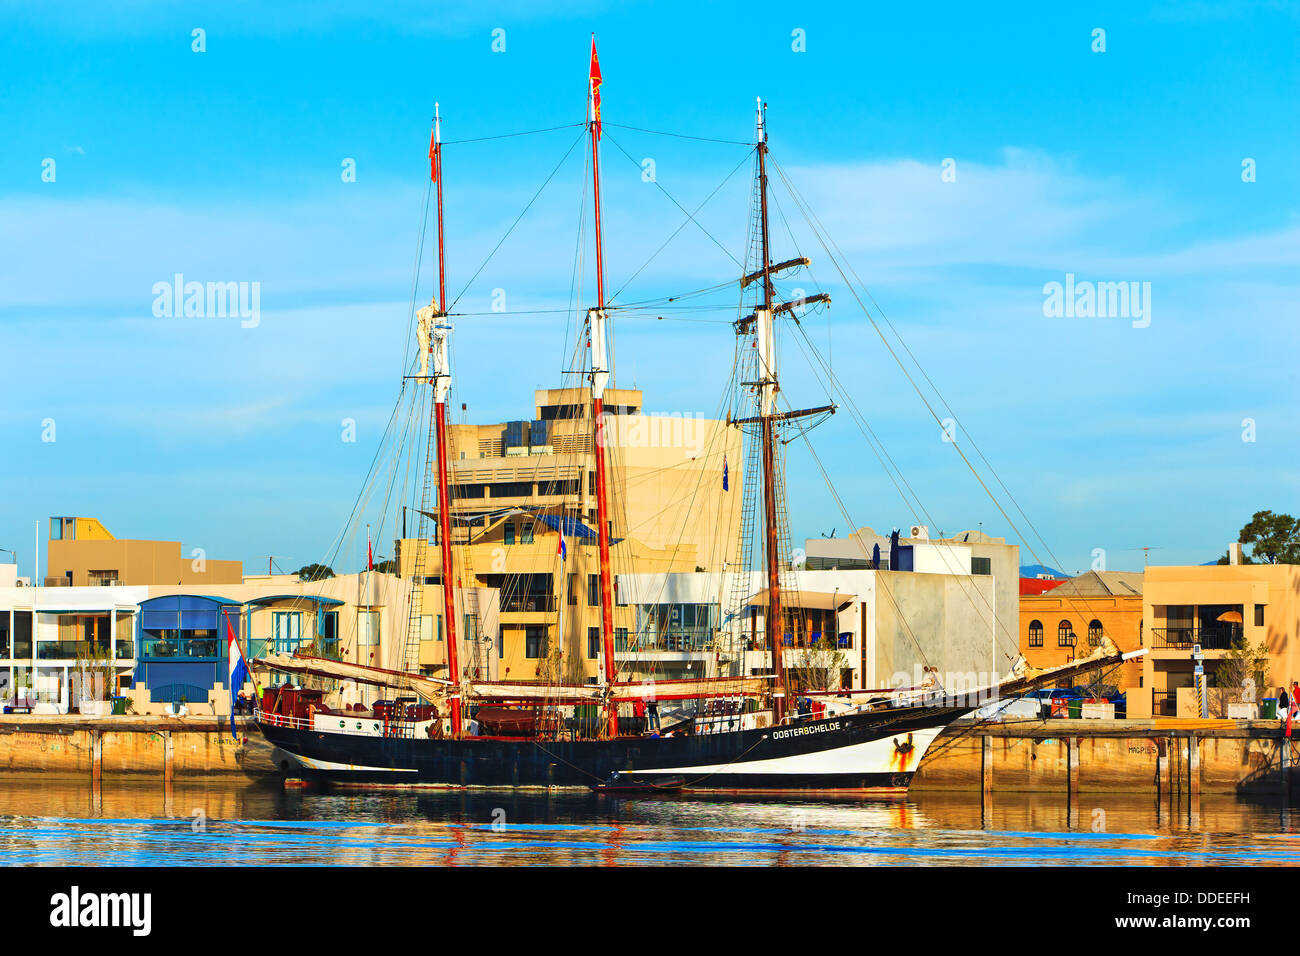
x: 921, y: 532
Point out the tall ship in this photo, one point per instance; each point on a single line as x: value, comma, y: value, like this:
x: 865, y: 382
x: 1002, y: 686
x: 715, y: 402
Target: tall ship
x: 735, y: 730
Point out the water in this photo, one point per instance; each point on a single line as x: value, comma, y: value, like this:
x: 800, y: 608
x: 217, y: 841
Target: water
x: 49, y: 820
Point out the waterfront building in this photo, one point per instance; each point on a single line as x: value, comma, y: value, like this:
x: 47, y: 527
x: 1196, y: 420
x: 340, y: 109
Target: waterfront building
x: 859, y: 627
x: 52, y: 640
x: 1211, y: 607
x: 1070, y: 621
x: 518, y: 486
x: 964, y: 556
x: 665, y: 471
x: 165, y: 644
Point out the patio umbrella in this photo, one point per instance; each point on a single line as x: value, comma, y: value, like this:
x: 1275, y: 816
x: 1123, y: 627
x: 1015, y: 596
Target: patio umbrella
x: 1230, y: 617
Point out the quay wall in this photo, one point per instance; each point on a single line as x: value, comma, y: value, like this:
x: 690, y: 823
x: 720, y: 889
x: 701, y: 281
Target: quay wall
x: 1156, y: 756
x: 131, y: 745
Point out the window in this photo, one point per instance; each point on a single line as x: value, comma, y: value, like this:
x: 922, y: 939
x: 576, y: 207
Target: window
x: 1064, y: 634
x: 593, y: 590
x: 509, y: 531
x: 329, y: 630
x: 593, y: 643
x: 981, y: 565
x: 368, y: 628
x: 573, y: 589
x: 101, y: 577
x: 1259, y: 615
x: 619, y: 599
x: 620, y: 639
x: 286, y: 631
x: 526, y: 533
x: 1035, y: 633
x: 1094, y: 633
x: 427, y: 627
x: 535, y: 641
x: 471, y: 628
x: 512, y: 489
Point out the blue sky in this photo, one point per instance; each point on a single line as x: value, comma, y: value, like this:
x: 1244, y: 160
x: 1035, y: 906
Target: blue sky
x: 224, y: 165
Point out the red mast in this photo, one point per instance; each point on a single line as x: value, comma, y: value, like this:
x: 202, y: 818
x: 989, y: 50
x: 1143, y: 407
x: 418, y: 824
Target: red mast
x: 599, y: 379
x: 438, y: 333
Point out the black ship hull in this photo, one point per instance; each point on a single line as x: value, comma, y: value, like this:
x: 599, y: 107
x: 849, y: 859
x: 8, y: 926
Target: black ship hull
x: 876, y: 751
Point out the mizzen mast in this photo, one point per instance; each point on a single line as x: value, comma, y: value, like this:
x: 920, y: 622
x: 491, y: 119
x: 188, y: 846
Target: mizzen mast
x: 434, y: 332
x: 598, y: 347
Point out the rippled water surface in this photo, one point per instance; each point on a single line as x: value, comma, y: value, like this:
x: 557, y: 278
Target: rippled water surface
x: 49, y: 820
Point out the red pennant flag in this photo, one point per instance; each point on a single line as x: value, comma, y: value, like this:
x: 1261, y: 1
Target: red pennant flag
x: 594, y: 81
x: 433, y: 156
x: 370, y: 554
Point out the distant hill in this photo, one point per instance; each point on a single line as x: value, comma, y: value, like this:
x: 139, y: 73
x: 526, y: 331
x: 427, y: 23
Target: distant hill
x: 1034, y: 570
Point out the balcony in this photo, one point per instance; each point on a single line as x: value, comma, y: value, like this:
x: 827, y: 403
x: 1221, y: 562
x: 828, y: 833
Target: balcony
x: 689, y: 640
x: 75, y: 650
x: 184, y: 648
x: 1218, y: 637
x: 528, y: 604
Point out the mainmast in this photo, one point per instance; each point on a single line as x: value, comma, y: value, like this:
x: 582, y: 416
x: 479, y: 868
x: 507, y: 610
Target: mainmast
x: 596, y: 343
x: 767, y: 385
x: 435, y: 331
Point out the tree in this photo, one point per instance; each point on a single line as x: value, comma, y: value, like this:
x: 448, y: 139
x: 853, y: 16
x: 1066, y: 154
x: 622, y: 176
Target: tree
x: 386, y: 567
x: 314, y: 572
x: 1243, y: 672
x: 1275, y: 539
x: 819, y: 670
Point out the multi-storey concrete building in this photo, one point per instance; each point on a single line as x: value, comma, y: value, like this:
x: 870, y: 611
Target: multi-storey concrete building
x: 517, y: 487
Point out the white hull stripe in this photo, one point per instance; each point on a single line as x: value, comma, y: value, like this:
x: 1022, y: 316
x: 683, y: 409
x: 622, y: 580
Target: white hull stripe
x: 312, y: 763
x: 876, y: 756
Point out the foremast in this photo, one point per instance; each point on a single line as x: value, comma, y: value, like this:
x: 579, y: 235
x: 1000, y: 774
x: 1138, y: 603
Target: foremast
x: 435, y: 332
x: 598, y: 347
x: 768, y: 386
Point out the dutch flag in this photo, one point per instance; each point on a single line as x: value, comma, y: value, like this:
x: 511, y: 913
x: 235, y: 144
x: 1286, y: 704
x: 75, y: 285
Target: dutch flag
x: 238, y: 671
x: 560, y: 549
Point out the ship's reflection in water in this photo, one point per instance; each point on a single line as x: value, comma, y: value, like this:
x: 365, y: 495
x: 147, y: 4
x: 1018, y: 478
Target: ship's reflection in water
x: 48, y: 820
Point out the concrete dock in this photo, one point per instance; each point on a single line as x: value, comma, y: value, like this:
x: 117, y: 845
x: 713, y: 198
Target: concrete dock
x: 96, y: 746
x: 1162, y: 756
